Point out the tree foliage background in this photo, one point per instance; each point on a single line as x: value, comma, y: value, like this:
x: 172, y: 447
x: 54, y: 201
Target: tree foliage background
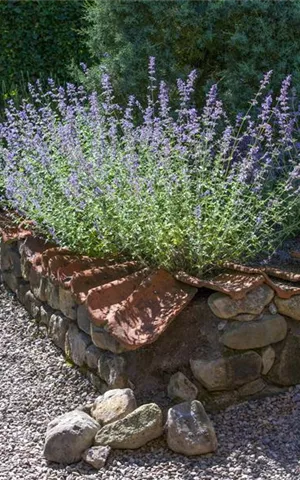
x: 39, y: 38
x: 232, y: 42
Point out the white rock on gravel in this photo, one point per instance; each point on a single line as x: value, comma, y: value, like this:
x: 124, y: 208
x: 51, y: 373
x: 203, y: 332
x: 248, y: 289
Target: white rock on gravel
x: 68, y: 436
x: 189, y: 430
x: 96, y: 456
x: 113, y: 405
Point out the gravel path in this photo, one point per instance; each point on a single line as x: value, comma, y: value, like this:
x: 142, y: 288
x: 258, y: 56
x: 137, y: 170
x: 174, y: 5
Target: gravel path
x: 257, y: 440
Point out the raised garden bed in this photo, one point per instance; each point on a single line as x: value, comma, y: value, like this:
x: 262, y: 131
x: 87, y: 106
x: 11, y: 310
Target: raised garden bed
x: 125, y: 325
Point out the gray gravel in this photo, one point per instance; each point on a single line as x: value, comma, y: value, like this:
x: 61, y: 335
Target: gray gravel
x: 257, y: 440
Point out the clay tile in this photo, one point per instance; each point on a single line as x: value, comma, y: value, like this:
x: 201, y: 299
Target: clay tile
x: 56, y: 262
x: 148, y: 311
x: 65, y: 273
x: 107, y: 298
x: 234, y: 284
x: 52, y: 252
x: 283, y: 289
x: 83, y: 281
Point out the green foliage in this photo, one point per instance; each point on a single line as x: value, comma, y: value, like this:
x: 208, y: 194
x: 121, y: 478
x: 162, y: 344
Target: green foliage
x: 230, y: 42
x: 38, y: 39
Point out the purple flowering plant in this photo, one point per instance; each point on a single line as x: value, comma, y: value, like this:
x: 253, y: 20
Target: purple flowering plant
x: 182, y: 189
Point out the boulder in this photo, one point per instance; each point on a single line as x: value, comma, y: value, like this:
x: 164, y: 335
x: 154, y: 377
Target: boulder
x: 96, y: 456
x: 10, y: 279
x: 32, y: 305
x: 22, y: 289
x: 97, y: 382
x: 83, y: 319
x: 135, y: 430
x: 189, y: 430
x: 113, y: 405
x: 181, y: 389
x: 38, y: 282
x: 244, y: 317
x: 289, y: 306
x: 102, y: 339
x: 45, y: 314
x: 227, y: 373
x: 52, y: 294
x: 58, y: 327
x: 76, y: 344
x: 68, y: 436
x: 67, y: 304
x: 252, y: 388
x: 92, y: 355
x: 256, y: 334
x: 286, y: 371
x: 268, y: 358
x: 112, y: 369
x: 254, y: 302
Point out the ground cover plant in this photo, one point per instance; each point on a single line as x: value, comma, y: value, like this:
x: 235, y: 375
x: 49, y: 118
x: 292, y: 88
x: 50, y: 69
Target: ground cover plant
x: 182, y: 189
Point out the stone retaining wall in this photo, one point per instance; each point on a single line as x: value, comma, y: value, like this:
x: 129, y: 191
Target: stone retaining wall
x: 217, y: 349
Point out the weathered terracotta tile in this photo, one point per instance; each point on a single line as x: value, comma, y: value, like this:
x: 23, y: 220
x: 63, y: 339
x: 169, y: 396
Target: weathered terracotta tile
x: 233, y: 284
x: 52, y: 252
x: 57, y: 262
x: 106, y: 299
x: 31, y: 250
x: 281, y: 273
x: 82, y: 282
x: 283, y: 289
x: 148, y: 311
x: 65, y: 273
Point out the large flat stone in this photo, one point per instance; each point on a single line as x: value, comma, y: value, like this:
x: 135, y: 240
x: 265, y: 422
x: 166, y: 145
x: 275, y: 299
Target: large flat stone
x: 52, y: 294
x: 224, y: 306
x: 112, y: 369
x: 135, y: 430
x: 38, y: 282
x: 83, y: 319
x: 286, y: 370
x: 102, y: 339
x: 76, y: 344
x: 256, y: 334
x: 67, y: 304
x: 227, y: 373
x: 289, y: 307
x: 57, y: 329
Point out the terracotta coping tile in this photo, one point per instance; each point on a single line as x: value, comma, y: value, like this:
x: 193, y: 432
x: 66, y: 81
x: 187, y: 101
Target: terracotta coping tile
x: 233, y: 284
x: 65, y: 273
x: 148, y: 311
x: 102, y: 301
x: 56, y: 262
x: 33, y: 247
x: 82, y: 282
x: 52, y: 252
x: 282, y: 289
x: 273, y: 271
